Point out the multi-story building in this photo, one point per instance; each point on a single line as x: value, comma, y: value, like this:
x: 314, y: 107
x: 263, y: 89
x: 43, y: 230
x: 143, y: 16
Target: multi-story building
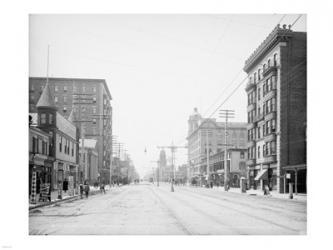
x: 64, y: 139
x: 165, y: 170
x: 91, y: 101
x: 89, y: 161
x: 236, y: 163
x: 208, y: 134
x: 276, y: 108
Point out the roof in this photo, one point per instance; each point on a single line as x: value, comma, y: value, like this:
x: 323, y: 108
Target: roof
x: 77, y: 79
x: 267, y: 44
x: 46, y: 99
x: 88, y: 143
x: 71, y: 117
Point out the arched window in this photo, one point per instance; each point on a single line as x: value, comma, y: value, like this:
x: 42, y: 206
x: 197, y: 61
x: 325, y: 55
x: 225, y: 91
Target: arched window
x: 269, y: 63
x: 255, y: 77
x: 264, y: 67
x: 259, y: 74
x: 275, y: 59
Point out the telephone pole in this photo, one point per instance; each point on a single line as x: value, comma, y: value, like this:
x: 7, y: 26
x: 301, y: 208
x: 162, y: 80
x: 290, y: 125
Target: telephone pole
x: 227, y: 114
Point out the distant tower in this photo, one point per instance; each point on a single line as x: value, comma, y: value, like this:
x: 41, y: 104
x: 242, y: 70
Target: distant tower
x: 163, y: 161
x: 194, y: 121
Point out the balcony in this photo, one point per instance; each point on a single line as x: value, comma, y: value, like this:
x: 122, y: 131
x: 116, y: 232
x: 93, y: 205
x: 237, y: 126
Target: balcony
x: 251, y: 162
x: 258, y: 118
x: 251, y: 106
x: 269, y: 159
x: 269, y: 95
x: 271, y: 69
x: 270, y: 115
x: 270, y: 137
x: 250, y: 85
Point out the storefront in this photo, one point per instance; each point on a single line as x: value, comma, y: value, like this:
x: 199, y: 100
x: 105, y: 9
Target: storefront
x: 42, y: 166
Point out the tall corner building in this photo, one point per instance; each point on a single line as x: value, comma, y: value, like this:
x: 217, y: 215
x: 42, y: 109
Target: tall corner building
x: 276, y: 91
x: 90, y: 99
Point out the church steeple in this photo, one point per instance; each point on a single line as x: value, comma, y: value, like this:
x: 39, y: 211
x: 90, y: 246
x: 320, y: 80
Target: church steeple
x: 46, y: 109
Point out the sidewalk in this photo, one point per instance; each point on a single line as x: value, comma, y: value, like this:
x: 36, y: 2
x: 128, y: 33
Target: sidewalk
x: 65, y: 197
x: 273, y: 194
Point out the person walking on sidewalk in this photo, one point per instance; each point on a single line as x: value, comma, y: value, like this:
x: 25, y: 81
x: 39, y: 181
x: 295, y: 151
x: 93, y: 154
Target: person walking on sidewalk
x: 81, y: 190
x: 102, y: 188
x: 86, y: 189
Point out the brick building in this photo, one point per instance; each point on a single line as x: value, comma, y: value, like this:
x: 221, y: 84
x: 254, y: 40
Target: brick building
x: 90, y: 99
x: 276, y: 108
x: 203, y: 130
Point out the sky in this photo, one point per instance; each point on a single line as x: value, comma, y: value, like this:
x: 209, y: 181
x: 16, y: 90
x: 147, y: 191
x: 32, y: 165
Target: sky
x: 157, y: 67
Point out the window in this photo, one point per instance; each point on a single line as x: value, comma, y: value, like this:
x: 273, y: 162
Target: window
x: 72, y: 148
x: 275, y: 59
x: 242, y: 155
x: 83, y: 89
x: 94, y: 99
x: 56, y: 99
x: 264, y: 67
x: 32, y: 87
x: 273, y: 125
x: 259, y: 74
x: 258, y: 132
x: 56, y: 88
x: 60, y: 144
x: 273, y: 147
x: 94, y: 110
x: 65, y: 110
x: 269, y: 63
x: 264, y: 150
x: 65, y: 99
x: 32, y: 97
x: 258, y: 151
x: 50, y: 118
x: 65, y: 88
x: 43, y: 118
x: 94, y: 89
x: 94, y: 121
x: 258, y: 94
x: 255, y: 77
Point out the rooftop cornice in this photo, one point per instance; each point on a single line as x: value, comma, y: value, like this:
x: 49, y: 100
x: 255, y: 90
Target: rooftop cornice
x: 277, y: 33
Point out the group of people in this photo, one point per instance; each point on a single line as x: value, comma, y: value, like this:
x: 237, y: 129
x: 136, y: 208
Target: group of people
x: 85, y: 188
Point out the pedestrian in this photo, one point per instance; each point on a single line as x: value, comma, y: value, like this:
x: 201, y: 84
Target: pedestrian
x: 102, y: 188
x: 86, y: 189
x: 81, y: 190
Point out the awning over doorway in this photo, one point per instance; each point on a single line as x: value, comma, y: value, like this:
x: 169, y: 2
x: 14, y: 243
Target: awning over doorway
x: 262, y: 174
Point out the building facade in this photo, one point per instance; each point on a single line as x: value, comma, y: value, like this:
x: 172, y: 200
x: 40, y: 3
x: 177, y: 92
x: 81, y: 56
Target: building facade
x: 90, y: 99
x: 209, y: 135
x: 236, y: 163
x: 276, y: 108
x: 89, y: 161
x: 63, y: 144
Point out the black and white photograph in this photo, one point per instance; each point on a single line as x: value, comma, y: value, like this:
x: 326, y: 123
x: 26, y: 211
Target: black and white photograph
x: 151, y: 125
x: 167, y: 124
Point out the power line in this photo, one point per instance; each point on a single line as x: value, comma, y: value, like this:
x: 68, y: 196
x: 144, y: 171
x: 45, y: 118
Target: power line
x: 296, y: 20
x: 282, y: 18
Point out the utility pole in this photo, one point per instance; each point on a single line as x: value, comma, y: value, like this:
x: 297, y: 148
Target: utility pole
x: 207, y: 155
x: 227, y: 114
x: 157, y: 172
x: 173, y: 149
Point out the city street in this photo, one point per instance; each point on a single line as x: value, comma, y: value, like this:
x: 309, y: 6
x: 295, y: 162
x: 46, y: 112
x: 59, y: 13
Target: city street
x: 148, y: 209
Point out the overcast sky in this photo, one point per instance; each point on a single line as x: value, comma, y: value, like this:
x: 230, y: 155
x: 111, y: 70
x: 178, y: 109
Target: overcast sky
x: 157, y: 67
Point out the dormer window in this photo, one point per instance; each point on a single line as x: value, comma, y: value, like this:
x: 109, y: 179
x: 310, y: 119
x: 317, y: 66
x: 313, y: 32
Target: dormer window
x: 43, y: 118
x: 50, y: 118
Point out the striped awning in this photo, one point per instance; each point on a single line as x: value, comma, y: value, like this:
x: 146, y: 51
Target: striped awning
x: 261, y: 175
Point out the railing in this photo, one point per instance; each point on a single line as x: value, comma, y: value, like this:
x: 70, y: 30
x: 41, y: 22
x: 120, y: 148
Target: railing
x: 272, y: 68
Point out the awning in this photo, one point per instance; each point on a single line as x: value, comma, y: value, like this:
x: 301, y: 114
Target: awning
x: 262, y: 174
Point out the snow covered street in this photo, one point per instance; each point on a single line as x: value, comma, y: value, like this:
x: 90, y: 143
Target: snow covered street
x: 148, y: 209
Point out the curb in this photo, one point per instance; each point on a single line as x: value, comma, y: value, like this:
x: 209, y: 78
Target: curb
x: 75, y: 197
